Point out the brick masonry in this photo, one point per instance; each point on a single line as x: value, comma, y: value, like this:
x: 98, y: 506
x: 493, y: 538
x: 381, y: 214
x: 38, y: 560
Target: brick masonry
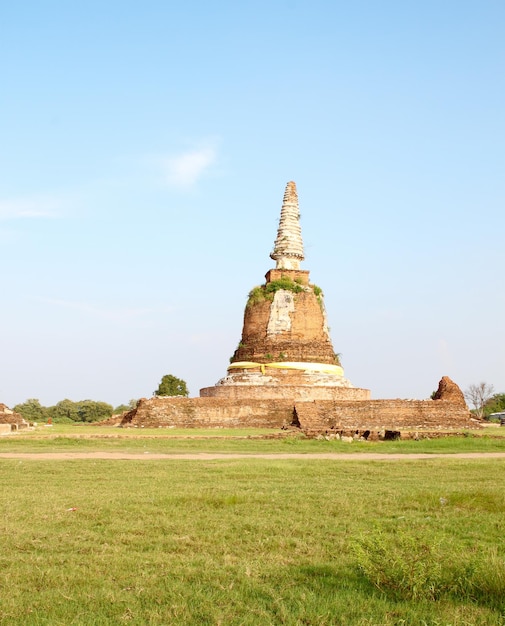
x: 291, y: 326
x: 306, y: 339
x: 319, y: 415
x: 379, y: 415
x: 14, y: 420
x: 292, y: 393
x: 166, y: 412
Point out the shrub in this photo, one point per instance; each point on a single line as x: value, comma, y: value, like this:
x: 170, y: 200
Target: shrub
x: 412, y: 566
x: 401, y: 565
x: 267, y: 291
x: 283, y: 283
x: 257, y: 294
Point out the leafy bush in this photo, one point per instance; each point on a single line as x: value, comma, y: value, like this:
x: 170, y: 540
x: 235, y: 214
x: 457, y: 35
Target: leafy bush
x: 62, y: 420
x: 257, y: 294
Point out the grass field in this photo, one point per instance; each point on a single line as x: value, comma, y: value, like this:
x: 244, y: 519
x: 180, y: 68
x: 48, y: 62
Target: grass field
x: 250, y: 541
x: 85, y: 438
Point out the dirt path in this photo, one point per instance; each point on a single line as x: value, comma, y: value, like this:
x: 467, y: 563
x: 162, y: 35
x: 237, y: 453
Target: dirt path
x: 211, y: 456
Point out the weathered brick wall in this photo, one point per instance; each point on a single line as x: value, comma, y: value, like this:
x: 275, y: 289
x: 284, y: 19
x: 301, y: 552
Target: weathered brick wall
x: 383, y: 414
x: 306, y: 340
x: 300, y: 276
x: 210, y: 413
x: 293, y: 393
x: 317, y: 415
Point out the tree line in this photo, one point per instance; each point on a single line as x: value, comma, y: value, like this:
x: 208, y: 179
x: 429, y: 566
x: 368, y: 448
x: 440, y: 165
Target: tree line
x: 68, y: 411
x: 88, y: 411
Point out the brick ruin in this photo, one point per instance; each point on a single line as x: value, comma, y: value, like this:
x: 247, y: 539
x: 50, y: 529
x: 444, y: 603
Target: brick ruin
x: 285, y: 372
x: 11, y: 421
x: 285, y: 351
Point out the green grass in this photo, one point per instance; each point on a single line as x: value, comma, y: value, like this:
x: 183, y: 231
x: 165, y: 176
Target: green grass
x: 85, y: 438
x: 252, y: 542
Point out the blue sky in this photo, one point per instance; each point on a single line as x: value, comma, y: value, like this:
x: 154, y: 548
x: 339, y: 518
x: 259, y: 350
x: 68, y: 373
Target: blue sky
x: 144, y: 151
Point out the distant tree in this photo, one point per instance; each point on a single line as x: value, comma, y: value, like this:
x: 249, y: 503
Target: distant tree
x: 92, y: 411
x: 64, y: 411
x: 32, y: 410
x: 495, y: 404
x: 172, y: 386
x: 132, y: 404
x: 478, y: 396
x: 121, y: 408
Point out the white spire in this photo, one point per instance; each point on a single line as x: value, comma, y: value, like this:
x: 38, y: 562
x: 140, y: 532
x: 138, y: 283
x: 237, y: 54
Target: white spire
x: 288, y: 247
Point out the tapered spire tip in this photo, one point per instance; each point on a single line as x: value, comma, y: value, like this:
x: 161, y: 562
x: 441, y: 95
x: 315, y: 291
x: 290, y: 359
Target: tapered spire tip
x: 288, y: 246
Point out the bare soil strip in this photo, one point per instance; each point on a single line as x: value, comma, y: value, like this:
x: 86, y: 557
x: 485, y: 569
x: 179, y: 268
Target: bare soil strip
x: 212, y: 456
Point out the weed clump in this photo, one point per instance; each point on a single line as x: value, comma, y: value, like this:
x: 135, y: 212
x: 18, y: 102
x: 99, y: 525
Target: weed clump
x: 268, y: 290
x: 414, y: 567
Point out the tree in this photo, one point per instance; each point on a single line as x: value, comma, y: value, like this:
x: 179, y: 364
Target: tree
x: 64, y: 411
x: 91, y: 411
x: 122, y: 408
x: 32, y: 410
x: 478, y: 395
x: 82, y: 411
x: 495, y: 404
x: 172, y: 386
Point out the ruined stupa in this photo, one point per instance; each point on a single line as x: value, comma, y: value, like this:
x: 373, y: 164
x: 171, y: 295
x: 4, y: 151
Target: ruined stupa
x: 286, y: 350
x: 285, y: 373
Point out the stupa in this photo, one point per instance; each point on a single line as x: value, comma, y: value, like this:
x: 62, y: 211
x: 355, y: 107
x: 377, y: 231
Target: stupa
x: 285, y: 350
x: 285, y: 372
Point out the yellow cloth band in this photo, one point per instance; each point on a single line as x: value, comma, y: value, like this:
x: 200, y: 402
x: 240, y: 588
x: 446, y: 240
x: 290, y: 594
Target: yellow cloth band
x: 324, y: 368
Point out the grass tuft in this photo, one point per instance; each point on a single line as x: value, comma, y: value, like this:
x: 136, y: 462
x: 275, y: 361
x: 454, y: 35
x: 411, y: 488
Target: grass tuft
x: 415, y: 564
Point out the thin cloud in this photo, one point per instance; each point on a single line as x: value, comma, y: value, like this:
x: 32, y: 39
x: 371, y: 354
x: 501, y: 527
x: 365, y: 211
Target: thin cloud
x: 186, y: 169
x: 31, y: 207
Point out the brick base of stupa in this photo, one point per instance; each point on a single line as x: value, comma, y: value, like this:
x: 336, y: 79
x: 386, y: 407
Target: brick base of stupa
x: 279, y: 381
x: 323, y: 416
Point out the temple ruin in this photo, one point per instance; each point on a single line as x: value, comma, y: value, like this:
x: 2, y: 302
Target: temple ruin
x: 285, y: 372
x: 10, y: 421
x: 285, y: 350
